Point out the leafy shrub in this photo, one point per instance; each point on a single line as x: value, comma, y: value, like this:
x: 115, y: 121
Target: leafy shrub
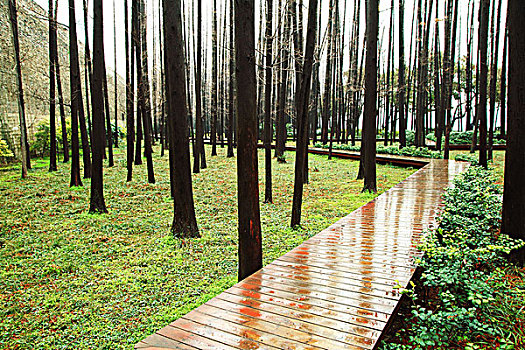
x: 410, y: 151
x: 41, y: 143
x: 410, y: 137
x: 5, y: 152
x: 462, y: 279
x: 463, y: 157
x: 463, y: 137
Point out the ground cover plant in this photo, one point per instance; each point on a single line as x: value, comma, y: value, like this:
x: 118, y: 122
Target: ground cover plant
x: 410, y: 151
x: 74, y: 280
x: 468, y: 296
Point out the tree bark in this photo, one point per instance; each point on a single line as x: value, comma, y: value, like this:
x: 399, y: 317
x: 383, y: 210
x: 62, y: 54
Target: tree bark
x: 21, y: 105
x: 65, y: 143
x: 76, y: 98
x: 52, y: 104
x: 184, y: 221
x: 97, y: 203
x: 303, y: 101
x: 482, y: 102
x: 513, y: 215
x: 268, y: 128
x: 250, y: 238
x: 130, y: 118
x: 370, y: 109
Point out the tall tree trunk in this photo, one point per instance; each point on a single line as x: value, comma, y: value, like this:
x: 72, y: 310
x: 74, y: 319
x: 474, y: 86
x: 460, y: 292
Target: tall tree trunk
x: 75, y: 79
x: 370, y: 109
x: 482, y: 102
x: 146, y: 102
x: 281, y: 131
x: 130, y: 118
x: 88, y: 72
x: 184, y: 221
x: 503, y: 88
x: 76, y: 98
x: 115, y: 96
x: 135, y: 48
x: 199, y: 128
x: 437, y: 84
x: 494, y: 78
x: 231, y: 113
x: 328, y: 77
x: 303, y: 101
x: 213, y: 136
x: 65, y: 143
x: 513, y: 215
x: 52, y: 104
x: 268, y: 129
x: 250, y: 238
x: 97, y: 203
x: 21, y: 105
x: 109, y: 131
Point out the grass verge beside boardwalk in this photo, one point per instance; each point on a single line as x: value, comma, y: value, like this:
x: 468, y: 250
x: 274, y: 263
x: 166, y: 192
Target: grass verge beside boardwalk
x: 74, y: 280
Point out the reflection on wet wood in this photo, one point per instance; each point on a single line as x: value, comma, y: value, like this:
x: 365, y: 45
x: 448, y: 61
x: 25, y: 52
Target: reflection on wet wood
x: 335, y: 291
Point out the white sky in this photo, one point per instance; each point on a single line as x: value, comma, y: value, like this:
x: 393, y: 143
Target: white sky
x: 207, y: 5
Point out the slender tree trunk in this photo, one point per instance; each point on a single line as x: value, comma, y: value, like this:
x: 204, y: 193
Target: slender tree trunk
x: 135, y: 48
x: 109, y: 132
x: 482, y: 102
x: 302, y: 114
x: 115, y: 96
x: 76, y: 98
x: 146, y: 102
x: 494, y: 78
x: 503, y: 88
x: 88, y: 72
x: 52, y: 104
x: 65, y: 143
x: 370, y: 109
x: 21, y: 105
x: 77, y: 87
x: 213, y: 136
x: 130, y: 119
x: 250, y: 238
x: 513, y: 215
x: 328, y: 77
x: 231, y: 86
x: 268, y: 129
x: 184, y: 221
x: 97, y: 203
x: 199, y: 128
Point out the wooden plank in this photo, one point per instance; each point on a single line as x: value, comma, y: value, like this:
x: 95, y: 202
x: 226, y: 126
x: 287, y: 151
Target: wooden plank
x: 337, y: 290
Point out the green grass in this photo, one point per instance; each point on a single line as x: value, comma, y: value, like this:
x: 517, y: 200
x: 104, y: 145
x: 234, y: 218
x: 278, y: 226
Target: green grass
x: 70, y: 279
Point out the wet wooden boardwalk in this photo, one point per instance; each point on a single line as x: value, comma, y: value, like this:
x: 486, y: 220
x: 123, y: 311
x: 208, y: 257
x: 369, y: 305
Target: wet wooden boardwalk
x: 334, y: 291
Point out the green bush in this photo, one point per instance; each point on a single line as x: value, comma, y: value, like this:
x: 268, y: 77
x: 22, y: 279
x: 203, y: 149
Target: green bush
x: 463, y: 138
x: 463, y: 270
x: 41, y: 142
x: 5, y: 152
x: 410, y: 151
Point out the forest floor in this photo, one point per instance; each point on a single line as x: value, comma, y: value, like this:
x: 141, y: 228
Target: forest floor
x: 70, y: 279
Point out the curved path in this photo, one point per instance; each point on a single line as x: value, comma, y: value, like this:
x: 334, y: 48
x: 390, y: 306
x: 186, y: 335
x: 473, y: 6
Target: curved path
x: 337, y: 290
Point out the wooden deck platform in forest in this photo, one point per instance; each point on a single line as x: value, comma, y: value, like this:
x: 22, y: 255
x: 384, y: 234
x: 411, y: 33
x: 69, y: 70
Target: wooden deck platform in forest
x: 334, y: 291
